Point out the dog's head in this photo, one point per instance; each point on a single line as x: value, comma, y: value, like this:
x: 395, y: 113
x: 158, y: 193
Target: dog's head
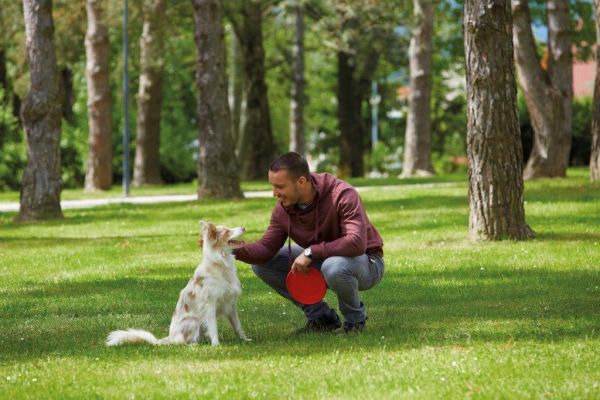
x: 221, y: 237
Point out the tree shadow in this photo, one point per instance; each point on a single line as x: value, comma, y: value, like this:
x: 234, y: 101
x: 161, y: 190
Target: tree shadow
x: 407, y: 310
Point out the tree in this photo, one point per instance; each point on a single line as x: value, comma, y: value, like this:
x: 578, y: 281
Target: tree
x: 359, y: 49
x: 548, y: 93
x: 41, y: 112
x: 256, y: 146
x: 297, y: 93
x: 147, y: 151
x: 99, y: 167
x: 595, y: 155
x: 236, y: 86
x: 217, y: 169
x: 417, y: 146
x: 494, y: 150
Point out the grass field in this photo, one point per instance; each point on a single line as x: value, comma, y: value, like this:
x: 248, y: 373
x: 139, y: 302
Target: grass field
x: 451, y: 318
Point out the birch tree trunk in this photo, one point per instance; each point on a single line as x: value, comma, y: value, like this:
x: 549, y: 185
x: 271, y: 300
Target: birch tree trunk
x: 257, y: 147
x: 217, y: 169
x: 417, y: 150
x: 99, y: 167
x: 146, y: 170
x: 297, y: 142
x: 496, y: 209
x: 548, y: 94
x: 595, y: 154
x: 41, y: 114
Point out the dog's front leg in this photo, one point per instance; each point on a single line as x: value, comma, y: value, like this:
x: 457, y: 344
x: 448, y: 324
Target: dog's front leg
x: 235, y: 322
x: 211, y: 325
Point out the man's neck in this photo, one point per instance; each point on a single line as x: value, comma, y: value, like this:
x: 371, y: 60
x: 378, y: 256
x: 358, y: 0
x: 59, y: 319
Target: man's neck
x: 307, y: 197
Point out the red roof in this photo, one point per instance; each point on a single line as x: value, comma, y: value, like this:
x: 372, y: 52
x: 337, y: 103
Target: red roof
x: 583, y: 78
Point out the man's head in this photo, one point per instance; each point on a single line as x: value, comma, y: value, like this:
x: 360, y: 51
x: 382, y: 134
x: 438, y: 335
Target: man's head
x: 290, y: 177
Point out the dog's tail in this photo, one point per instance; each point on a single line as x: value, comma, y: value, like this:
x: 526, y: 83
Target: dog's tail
x: 117, y: 338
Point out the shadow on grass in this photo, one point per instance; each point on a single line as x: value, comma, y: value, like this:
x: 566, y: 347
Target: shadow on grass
x: 409, y: 310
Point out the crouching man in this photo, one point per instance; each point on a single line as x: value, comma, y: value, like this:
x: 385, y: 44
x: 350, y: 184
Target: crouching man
x: 327, y: 220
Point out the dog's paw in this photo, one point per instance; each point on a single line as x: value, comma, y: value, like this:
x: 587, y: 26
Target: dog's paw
x: 246, y: 339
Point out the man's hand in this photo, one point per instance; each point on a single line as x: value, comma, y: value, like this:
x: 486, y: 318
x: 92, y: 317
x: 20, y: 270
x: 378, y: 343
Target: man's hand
x: 301, y: 263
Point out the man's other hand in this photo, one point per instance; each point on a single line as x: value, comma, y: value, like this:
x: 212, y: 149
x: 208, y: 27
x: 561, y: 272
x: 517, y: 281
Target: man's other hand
x: 301, y: 264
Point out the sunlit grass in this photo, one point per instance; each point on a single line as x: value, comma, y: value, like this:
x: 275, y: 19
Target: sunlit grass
x: 451, y: 319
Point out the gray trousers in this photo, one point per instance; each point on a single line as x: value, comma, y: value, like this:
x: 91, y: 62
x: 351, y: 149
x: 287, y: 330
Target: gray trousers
x: 346, y: 276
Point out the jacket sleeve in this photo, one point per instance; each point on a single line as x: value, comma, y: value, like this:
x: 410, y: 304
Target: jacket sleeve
x: 353, y: 223
x: 264, y: 249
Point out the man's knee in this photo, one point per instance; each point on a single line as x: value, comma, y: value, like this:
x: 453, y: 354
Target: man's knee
x: 334, y: 267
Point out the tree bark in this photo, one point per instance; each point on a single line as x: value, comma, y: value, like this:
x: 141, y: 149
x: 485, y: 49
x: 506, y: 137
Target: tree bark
x: 147, y: 152
x: 41, y: 114
x: 4, y: 87
x: 99, y: 167
x: 236, y: 88
x: 69, y: 97
x: 217, y: 169
x: 548, y: 94
x: 257, y: 147
x: 417, y: 146
x: 496, y: 205
x: 352, y: 129
x: 595, y: 154
x: 297, y: 142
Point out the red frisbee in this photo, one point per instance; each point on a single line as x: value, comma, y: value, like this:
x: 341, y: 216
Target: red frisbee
x: 306, y: 288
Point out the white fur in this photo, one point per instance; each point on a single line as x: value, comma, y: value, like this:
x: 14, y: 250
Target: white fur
x: 212, y: 292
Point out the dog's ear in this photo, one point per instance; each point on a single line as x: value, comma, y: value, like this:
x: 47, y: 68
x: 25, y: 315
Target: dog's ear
x: 203, y: 224
x: 211, y: 232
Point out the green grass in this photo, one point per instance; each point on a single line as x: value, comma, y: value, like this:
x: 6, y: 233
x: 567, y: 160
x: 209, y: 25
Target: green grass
x: 451, y: 318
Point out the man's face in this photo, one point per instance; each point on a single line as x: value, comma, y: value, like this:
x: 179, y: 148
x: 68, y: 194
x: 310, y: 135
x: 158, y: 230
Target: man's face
x: 285, y: 188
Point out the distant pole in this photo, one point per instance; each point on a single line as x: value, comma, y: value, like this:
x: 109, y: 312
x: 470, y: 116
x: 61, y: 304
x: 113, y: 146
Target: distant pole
x: 375, y: 99
x: 125, y: 104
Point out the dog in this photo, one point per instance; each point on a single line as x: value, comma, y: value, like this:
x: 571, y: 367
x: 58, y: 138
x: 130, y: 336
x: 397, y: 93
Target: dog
x: 212, y: 292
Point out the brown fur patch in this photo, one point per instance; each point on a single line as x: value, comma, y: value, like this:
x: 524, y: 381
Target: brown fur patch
x: 186, y: 307
x: 191, y: 294
x: 199, y: 281
x: 211, y: 232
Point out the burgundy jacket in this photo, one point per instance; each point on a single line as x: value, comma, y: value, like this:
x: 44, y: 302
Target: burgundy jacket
x: 334, y: 224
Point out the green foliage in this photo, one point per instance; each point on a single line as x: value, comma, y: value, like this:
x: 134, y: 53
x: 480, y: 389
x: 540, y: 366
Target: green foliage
x: 451, y: 318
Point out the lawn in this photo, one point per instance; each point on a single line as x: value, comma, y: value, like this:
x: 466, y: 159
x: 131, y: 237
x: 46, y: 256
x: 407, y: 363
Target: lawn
x: 451, y: 318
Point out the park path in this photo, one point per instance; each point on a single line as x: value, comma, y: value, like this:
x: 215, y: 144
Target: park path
x: 89, y: 203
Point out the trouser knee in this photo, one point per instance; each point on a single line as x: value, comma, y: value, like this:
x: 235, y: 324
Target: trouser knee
x: 332, y: 269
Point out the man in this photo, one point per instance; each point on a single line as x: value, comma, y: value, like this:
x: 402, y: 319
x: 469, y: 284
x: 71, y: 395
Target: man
x: 327, y: 220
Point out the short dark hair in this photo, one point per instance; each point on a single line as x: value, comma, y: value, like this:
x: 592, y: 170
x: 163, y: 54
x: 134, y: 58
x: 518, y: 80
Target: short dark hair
x: 294, y: 163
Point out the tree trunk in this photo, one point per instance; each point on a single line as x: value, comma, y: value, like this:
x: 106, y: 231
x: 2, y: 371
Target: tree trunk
x: 217, y: 169
x: 297, y: 92
x: 417, y: 150
x: 352, y: 130
x: 99, y: 167
x: 69, y: 97
x: 548, y: 94
x: 257, y: 147
x: 147, y: 152
x: 41, y: 113
x: 496, y: 209
x: 236, y: 88
x: 595, y: 154
x: 4, y: 88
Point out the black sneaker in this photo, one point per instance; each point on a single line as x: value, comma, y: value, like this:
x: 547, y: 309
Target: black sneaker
x: 325, y: 323
x: 354, y: 327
